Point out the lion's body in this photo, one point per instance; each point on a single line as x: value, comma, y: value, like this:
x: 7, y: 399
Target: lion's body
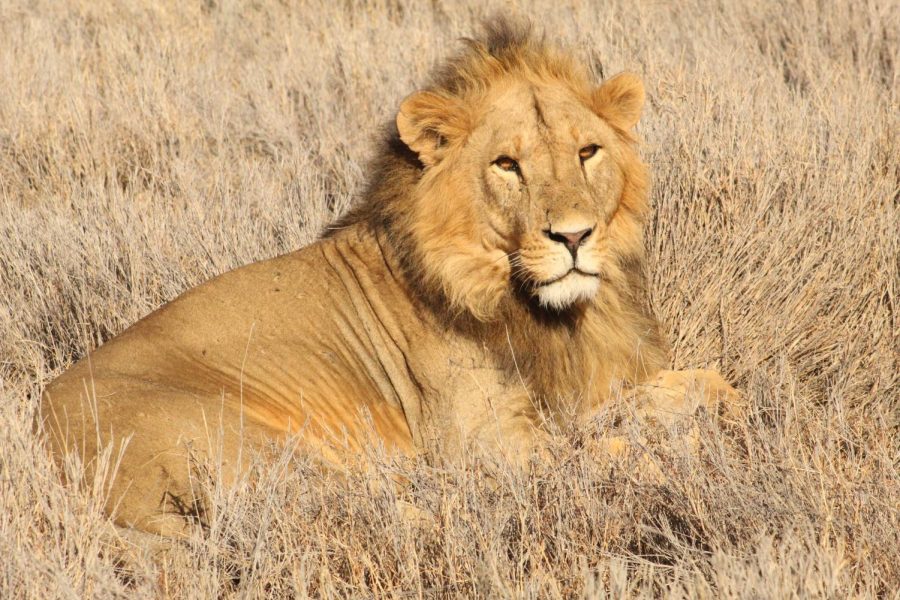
x: 325, y: 342
x: 318, y: 342
x: 419, y: 323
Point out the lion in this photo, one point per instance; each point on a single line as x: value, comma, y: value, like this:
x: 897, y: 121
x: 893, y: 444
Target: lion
x: 488, y: 284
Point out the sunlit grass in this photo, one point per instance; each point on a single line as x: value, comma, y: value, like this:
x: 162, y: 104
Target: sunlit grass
x: 147, y: 147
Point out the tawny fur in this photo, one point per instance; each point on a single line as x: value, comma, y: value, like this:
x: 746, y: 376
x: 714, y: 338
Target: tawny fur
x: 421, y: 320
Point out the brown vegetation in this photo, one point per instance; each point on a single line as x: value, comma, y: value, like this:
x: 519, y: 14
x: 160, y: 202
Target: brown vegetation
x: 146, y: 148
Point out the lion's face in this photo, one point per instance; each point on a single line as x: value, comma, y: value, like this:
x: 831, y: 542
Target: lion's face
x: 529, y: 198
x: 550, y: 185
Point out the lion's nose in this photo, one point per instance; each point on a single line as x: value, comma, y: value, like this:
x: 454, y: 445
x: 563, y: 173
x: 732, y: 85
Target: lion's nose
x: 572, y: 239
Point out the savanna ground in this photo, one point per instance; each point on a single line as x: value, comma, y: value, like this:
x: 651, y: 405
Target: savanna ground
x: 147, y: 147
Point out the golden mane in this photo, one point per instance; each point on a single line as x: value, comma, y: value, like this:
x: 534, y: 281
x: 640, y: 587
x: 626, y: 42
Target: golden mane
x: 560, y: 354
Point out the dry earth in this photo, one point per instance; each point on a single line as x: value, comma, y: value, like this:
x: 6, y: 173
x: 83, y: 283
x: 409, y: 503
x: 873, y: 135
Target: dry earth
x: 146, y: 147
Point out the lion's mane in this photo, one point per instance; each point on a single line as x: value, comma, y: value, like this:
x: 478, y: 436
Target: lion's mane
x: 560, y: 354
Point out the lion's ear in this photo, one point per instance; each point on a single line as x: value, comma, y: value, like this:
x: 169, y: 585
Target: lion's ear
x: 428, y: 121
x: 619, y: 100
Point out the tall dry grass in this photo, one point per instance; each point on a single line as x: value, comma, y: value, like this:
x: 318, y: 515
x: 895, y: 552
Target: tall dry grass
x: 145, y: 147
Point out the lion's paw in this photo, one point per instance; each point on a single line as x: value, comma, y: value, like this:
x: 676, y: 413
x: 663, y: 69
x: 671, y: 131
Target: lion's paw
x: 671, y: 396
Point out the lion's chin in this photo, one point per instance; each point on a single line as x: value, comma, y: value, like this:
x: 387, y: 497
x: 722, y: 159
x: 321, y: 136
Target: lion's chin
x: 569, y: 290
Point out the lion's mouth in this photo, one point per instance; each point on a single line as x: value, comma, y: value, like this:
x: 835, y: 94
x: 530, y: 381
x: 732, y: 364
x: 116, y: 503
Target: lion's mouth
x: 574, y: 271
x: 572, y: 287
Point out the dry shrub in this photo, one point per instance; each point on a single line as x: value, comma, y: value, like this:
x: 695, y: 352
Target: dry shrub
x: 147, y: 147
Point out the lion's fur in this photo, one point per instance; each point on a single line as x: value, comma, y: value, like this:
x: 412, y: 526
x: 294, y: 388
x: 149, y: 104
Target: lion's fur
x: 417, y: 320
x: 574, y: 348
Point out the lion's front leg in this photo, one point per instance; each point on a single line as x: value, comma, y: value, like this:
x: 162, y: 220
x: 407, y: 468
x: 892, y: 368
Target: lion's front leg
x: 669, y: 401
x: 672, y: 396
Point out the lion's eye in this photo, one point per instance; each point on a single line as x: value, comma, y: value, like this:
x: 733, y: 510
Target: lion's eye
x: 588, y: 151
x: 507, y: 164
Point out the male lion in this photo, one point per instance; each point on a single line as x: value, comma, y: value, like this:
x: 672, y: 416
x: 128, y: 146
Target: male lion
x: 489, y: 282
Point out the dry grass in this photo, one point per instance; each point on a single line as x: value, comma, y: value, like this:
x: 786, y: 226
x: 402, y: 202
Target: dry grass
x: 146, y: 148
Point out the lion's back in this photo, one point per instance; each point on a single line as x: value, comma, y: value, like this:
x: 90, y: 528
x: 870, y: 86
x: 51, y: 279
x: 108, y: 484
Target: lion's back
x: 260, y: 344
